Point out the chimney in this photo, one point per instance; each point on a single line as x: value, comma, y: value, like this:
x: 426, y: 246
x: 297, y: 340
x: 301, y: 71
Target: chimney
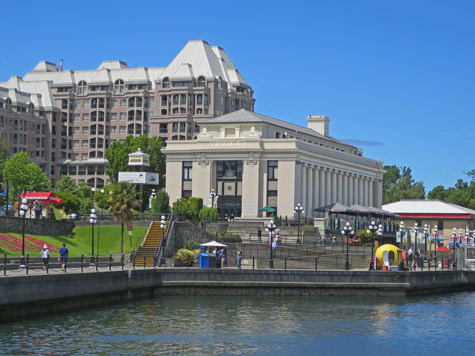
x: 319, y: 123
x: 61, y: 65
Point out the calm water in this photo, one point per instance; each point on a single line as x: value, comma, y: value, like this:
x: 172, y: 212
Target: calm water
x: 441, y: 325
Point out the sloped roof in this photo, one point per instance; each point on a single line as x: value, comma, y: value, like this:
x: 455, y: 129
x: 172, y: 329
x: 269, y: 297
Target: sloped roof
x: 420, y: 206
x: 245, y: 116
x: 113, y: 65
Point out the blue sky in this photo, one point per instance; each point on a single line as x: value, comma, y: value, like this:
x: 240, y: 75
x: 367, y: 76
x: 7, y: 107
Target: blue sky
x: 396, y: 77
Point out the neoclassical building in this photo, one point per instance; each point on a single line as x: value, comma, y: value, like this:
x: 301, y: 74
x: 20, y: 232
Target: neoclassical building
x: 252, y: 161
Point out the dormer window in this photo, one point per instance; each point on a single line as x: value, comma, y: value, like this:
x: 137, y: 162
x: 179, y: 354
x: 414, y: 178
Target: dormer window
x: 82, y: 87
x: 119, y: 86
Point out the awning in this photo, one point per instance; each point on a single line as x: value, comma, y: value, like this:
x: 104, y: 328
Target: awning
x: 213, y: 244
x: 46, y: 197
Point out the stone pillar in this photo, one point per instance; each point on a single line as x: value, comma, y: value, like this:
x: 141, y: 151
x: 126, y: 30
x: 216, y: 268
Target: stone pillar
x: 173, y: 186
x: 328, y: 193
x: 334, y: 187
x: 250, y: 195
x: 339, y: 186
x: 360, y: 190
x: 365, y: 191
x: 316, y: 187
x: 370, y: 191
x: 345, y: 188
x: 309, y: 191
x: 356, y: 186
x: 202, y: 182
x: 350, y: 189
x: 288, y: 187
x: 303, y: 196
x: 322, y: 191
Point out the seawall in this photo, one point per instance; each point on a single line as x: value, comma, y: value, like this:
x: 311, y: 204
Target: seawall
x: 39, y: 294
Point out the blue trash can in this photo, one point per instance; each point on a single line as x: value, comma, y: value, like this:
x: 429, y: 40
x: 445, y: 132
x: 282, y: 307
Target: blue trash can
x: 204, y: 260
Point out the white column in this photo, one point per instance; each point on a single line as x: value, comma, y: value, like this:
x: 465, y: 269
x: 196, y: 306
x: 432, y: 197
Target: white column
x: 356, y: 195
x: 366, y: 193
x: 322, y: 198
x: 309, y: 191
x: 334, y: 187
x: 339, y: 186
x: 303, y: 197
x: 316, y: 187
x: 345, y: 188
x: 350, y: 189
x: 360, y: 190
x: 370, y: 190
x: 328, y: 193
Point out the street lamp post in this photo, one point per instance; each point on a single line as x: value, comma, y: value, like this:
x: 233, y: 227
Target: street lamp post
x: 460, y: 241
x: 213, y: 196
x: 416, y: 230
x: 92, y: 220
x: 99, y: 225
x: 270, y: 228
x: 401, y: 231
x: 436, y: 231
x: 454, y: 236
x: 23, y: 210
x: 152, y: 196
x: 347, y: 230
x: 163, y: 225
x: 372, y: 229
x: 299, y: 210
x: 425, y: 239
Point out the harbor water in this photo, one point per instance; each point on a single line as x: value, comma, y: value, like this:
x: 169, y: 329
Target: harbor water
x: 436, y: 325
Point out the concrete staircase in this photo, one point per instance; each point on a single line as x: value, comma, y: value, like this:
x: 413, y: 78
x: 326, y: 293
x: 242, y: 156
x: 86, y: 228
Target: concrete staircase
x: 149, y: 249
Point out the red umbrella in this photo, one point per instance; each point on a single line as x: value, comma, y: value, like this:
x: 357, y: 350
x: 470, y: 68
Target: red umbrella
x: 443, y: 248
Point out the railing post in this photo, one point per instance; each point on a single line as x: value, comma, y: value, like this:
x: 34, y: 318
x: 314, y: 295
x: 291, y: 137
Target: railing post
x: 97, y: 263
x: 82, y: 262
x: 5, y: 264
x: 122, y: 261
x: 285, y: 263
x: 110, y: 261
x: 316, y: 263
x: 27, y: 262
x: 253, y: 258
x: 133, y: 260
x: 144, y: 259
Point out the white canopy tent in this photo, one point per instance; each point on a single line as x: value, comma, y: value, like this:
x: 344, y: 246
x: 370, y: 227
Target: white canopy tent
x: 213, y: 244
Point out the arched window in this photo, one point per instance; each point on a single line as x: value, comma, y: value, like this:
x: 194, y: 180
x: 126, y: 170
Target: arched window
x: 102, y: 103
x: 138, y: 129
x: 201, y: 81
x: 119, y: 86
x: 220, y: 83
x: 100, y: 154
x: 92, y: 143
x: 277, y: 135
x: 82, y: 87
x: 131, y: 115
x: 130, y: 129
x: 94, y: 116
x: 164, y: 112
x: 166, y: 83
x: 92, y: 129
x: 31, y: 107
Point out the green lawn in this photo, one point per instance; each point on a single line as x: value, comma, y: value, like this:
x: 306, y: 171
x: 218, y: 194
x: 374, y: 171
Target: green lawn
x: 80, y: 239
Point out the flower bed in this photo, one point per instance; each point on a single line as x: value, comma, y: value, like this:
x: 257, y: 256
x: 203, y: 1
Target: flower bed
x: 14, y: 243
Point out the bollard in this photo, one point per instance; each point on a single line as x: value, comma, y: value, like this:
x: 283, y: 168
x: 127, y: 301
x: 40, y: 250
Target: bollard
x: 110, y: 261
x: 316, y: 263
x: 253, y: 262
x: 82, y: 262
x: 285, y: 263
x: 144, y: 258
x: 97, y: 263
x: 5, y: 264
x: 122, y: 261
x: 27, y: 262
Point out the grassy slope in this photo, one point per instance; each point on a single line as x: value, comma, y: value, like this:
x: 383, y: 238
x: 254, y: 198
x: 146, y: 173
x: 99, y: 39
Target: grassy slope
x: 79, y: 241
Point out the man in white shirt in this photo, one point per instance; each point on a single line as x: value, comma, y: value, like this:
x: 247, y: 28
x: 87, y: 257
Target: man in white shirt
x: 45, y: 257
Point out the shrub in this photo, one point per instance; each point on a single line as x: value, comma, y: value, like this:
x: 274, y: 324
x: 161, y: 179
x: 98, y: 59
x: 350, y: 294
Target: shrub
x: 208, y: 214
x: 161, y: 203
x: 230, y: 237
x: 195, y: 205
x: 190, y: 245
x: 186, y: 256
x: 364, y: 236
x: 307, y: 228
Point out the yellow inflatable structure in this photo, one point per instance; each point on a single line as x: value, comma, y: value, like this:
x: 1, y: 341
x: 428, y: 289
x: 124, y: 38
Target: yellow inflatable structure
x: 388, y: 255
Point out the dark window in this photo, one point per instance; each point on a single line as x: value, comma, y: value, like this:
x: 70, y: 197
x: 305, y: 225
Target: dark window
x: 272, y: 170
x: 187, y: 170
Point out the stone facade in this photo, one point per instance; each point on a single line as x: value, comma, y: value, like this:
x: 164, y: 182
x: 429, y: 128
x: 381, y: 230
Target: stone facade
x: 34, y: 226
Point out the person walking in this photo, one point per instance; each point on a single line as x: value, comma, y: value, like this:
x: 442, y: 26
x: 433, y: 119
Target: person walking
x: 45, y: 257
x: 417, y: 258
x: 239, y: 258
x: 259, y: 235
x: 63, y: 254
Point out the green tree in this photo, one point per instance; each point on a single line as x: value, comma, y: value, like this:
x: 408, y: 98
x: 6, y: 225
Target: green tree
x: 122, y: 200
x: 69, y: 202
x: 23, y: 175
x: 161, y: 203
x: 66, y: 185
x: 462, y: 193
x: 4, y: 153
x: 195, y: 205
x: 181, y: 209
x: 118, y: 156
x: 209, y: 214
x: 398, y: 184
x: 85, y: 197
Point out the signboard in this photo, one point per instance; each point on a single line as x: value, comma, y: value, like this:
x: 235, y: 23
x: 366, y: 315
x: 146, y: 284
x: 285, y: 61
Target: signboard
x: 139, y: 177
x: 250, y: 207
x: 470, y: 242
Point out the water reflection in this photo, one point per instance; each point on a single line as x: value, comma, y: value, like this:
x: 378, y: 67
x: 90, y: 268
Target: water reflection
x: 253, y: 326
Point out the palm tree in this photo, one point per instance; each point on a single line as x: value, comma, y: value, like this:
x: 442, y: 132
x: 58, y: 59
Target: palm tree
x: 123, y: 199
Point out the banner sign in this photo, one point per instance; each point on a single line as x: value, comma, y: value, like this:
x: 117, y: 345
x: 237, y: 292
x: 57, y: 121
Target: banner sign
x: 139, y: 177
x: 470, y: 242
